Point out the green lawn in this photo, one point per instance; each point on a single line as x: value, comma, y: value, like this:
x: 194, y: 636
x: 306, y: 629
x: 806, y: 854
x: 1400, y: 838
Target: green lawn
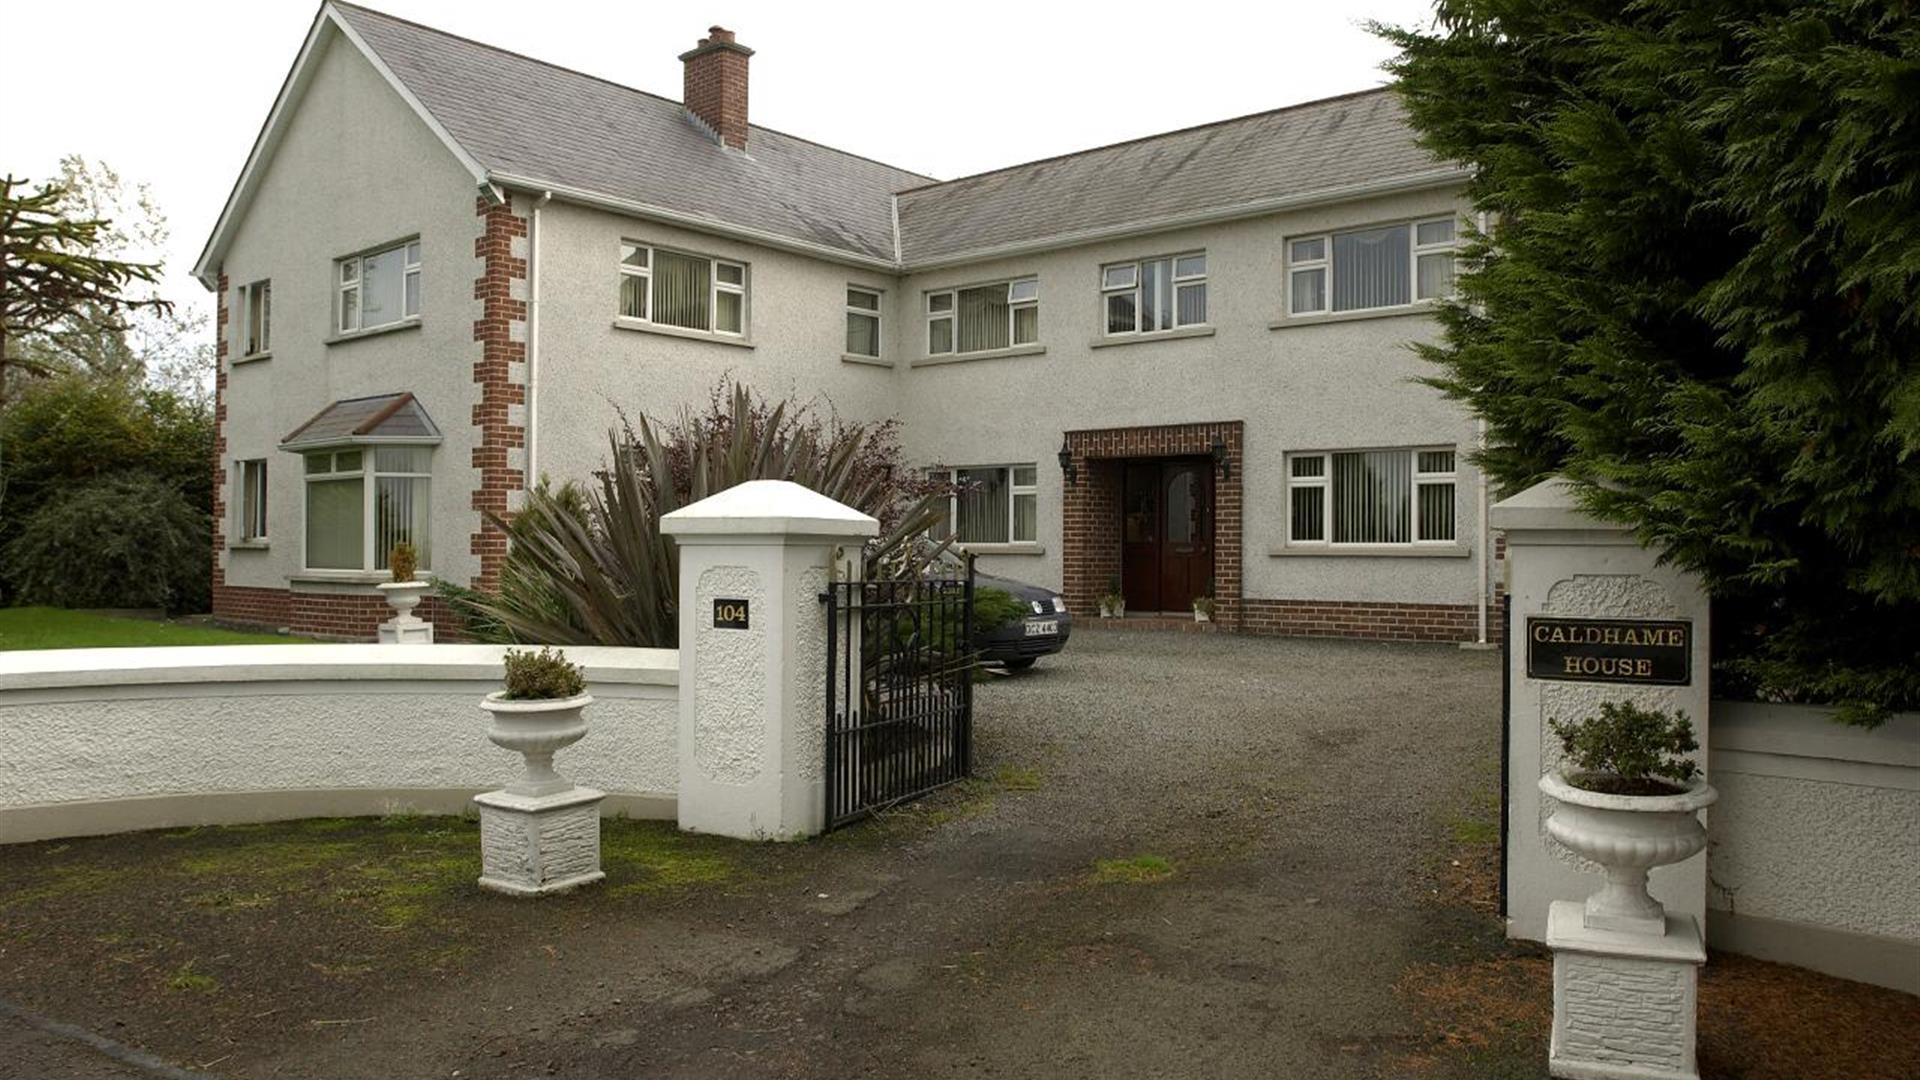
x: 54, y: 628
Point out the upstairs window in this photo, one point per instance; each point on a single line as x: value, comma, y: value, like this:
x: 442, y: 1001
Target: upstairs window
x: 1371, y: 497
x: 990, y: 504
x: 256, y: 319
x: 863, y: 322
x: 984, y: 317
x: 380, y: 288
x: 364, y: 500
x: 253, y: 499
x: 1155, y: 294
x: 1364, y: 269
x: 692, y: 292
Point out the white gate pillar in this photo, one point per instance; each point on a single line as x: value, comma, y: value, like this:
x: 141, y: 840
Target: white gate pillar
x: 1564, y: 566
x: 754, y: 560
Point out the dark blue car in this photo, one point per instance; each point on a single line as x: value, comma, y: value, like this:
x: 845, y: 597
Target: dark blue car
x: 1041, y: 630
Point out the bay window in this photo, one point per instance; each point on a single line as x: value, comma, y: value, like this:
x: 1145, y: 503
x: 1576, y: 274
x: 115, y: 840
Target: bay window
x: 990, y: 504
x: 379, y: 288
x: 1363, y: 269
x: 363, y: 500
x: 691, y: 292
x: 1371, y: 497
x: 1155, y: 294
x: 984, y: 317
x: 863, y: 322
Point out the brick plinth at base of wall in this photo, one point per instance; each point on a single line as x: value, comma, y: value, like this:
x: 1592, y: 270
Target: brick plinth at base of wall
x: 338, y: 616
x: 1366, y: 620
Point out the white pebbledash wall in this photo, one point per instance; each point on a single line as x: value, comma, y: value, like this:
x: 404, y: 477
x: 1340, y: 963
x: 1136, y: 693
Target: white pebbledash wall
x: 1813, y: 855
x: 110, y: 740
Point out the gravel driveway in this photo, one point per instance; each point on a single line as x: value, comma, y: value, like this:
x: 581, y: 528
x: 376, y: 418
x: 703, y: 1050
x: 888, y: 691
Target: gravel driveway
x: 1186, y: 856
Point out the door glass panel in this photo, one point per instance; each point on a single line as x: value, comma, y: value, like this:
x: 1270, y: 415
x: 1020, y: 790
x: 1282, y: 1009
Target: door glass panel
x: 1140, y: 527
x: 1183, y: 507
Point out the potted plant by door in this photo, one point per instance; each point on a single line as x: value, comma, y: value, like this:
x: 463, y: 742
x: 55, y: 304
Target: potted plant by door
x: 1628, y: 798
x: 1203, y: 609
x: 538, y: 713
x: 403, y: 594
x: 1113, y: 605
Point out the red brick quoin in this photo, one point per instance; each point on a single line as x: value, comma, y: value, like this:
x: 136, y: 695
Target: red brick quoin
x: 502, y: 383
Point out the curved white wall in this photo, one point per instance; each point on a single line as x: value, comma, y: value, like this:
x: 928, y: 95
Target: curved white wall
x: 106, y: 740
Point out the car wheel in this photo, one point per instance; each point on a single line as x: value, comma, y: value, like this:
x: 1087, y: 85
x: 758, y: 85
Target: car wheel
x: 1021, y: 664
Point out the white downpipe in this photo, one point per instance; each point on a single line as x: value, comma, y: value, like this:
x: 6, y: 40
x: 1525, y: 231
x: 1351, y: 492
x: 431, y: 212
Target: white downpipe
x: 1484, y: 548
x: 533, y: 340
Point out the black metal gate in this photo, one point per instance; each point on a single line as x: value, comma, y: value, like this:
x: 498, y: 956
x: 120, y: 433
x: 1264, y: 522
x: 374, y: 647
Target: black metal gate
x: 899, y: 691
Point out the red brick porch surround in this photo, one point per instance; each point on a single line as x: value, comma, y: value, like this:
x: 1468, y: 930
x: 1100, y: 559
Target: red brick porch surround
x: 1090, y: 527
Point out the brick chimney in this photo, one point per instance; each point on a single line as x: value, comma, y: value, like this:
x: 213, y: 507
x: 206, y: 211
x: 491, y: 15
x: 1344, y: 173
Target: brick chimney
x: 716, y: 85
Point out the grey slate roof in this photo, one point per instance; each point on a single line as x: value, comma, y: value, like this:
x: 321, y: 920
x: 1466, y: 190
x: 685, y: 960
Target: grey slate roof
x: 366, y: 419
x: 522, y: 117
x: 1319, y: 146
x: 525, y: 118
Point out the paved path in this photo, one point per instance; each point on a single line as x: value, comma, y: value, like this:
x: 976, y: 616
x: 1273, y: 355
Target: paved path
x: 1296, y: 788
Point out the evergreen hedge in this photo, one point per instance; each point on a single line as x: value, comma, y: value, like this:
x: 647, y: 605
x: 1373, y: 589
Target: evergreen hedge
x: 1699, y: 298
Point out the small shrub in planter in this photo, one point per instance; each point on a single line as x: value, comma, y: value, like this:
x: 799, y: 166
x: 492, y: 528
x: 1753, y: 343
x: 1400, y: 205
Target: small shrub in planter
x: 541, y: 676
x: 1628, y: 750
x: 1114, y: 603
x: 403, y: 561
x: 1203, y: 609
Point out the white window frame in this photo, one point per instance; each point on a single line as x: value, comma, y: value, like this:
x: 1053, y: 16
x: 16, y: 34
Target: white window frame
x: 250, y: 500
x: 1324, y: 264
x: 256, y: 299
x: 714, y: 288
x: 950, y: 315
x: 350, y: 272
x: 874, y: 313
x: 1324, y: 484
x: 946, y: 473
x: 1174, y: 281
x: 371, y: 561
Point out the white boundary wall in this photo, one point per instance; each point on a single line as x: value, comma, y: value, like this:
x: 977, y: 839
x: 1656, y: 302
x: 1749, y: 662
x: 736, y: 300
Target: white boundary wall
x: 108, y: 740
x: 1814, y: 848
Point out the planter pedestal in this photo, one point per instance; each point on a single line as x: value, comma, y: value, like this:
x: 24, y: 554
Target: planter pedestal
x: 405, y: 628
x: 534, y: 845
x: 1623, y: 1002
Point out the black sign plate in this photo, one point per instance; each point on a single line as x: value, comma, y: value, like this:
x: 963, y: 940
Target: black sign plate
x: 1656, y: 651
x: 729, y: 614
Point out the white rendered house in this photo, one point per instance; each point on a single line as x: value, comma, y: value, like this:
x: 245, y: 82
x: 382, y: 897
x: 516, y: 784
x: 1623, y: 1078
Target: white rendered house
x: 1177, y: 364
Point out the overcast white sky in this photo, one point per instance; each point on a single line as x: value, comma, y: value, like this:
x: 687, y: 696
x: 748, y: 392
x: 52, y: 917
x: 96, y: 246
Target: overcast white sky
x: 173, y: 93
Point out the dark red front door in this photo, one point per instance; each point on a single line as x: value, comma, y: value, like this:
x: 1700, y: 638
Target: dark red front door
x: 1166, y: 533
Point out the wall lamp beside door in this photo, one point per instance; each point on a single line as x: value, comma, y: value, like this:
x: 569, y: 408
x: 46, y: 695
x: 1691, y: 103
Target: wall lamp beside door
x: 1066, y: 464
x: 1220, y: 458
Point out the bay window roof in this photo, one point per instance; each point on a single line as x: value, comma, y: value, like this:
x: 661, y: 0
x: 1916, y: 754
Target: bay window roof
x: 382, y: 418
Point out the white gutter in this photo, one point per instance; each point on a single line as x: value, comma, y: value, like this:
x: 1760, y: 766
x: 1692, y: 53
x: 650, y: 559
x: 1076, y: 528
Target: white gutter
x: 634, y: 208
x: 899, y: 265
x: 532, y: 475
x: 1214, y: 215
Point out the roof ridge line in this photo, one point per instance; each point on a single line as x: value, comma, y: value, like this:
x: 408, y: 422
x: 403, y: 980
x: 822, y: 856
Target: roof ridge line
x: 1147, y: 138
x: 618, y: 85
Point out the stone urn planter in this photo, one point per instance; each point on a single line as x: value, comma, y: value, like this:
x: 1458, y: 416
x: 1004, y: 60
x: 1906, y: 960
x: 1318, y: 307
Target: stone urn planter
x: 405, y: 627
x: 537, y: 729
x: 1627, y: 835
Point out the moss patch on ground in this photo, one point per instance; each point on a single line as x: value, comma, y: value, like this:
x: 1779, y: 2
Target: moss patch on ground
x: 250, y: 907
x: 1133, y: 870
